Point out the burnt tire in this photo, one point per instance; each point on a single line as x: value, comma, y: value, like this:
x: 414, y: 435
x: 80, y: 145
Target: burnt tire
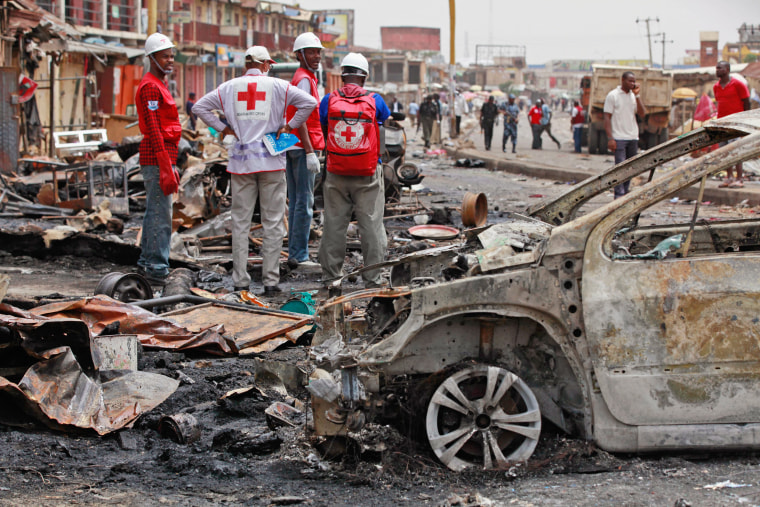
x: 482, y: 417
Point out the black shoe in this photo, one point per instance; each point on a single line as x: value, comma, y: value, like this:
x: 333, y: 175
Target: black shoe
x: 513, y: 150
x: 292, y: 263
x: 238, y: 288
x: 270, y: 290
x: 503, y: 149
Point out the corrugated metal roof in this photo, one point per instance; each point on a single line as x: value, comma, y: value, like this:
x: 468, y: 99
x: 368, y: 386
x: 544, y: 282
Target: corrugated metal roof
x: 26, y: 16
x: 73, y: 46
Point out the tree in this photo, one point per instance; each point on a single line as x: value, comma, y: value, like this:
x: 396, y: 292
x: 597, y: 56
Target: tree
x: 506, y: 87
x: 749, y: 58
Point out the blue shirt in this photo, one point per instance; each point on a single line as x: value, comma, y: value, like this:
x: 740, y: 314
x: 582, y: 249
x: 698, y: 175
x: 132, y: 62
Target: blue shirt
x: 382, y: 112
x: 511, y: 110
x: 546, y: 115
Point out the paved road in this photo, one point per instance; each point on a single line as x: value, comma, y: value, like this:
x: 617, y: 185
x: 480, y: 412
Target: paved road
x: 564, y: 164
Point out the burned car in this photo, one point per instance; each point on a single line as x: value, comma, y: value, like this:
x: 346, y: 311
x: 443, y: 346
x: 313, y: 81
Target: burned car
x: 637, y: 336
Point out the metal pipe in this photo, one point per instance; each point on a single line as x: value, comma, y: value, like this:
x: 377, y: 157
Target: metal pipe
x: 192, y: 298
x: 51, y: 148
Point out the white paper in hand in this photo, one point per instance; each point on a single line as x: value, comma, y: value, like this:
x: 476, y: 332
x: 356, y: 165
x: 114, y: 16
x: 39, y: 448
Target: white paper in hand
x: 277, y: 146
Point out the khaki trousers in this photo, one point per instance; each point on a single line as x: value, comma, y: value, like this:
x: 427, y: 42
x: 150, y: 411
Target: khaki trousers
x: 365, y: 197
x: 270, y: 189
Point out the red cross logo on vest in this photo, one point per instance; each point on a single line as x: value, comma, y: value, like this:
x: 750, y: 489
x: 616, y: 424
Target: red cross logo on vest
x: 251, y: 96
x: 348, y: 137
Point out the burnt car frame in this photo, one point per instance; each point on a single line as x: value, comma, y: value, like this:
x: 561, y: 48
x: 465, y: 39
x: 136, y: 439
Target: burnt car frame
x: 637, y: 337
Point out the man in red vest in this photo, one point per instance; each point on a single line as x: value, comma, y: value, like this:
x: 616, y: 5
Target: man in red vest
x: 351, y: 119
x: 161, y: 130
x: 302, y: 161
x: 577, y: 119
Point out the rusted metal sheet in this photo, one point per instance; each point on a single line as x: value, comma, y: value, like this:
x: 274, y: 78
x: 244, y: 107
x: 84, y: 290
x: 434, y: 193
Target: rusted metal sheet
x: 62, y: 388
x: 248, y: 327
x: 153, y: 331
x: 66, y: 395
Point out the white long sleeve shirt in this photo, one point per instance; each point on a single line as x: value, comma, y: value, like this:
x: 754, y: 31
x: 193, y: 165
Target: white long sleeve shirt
x: 254, y: 105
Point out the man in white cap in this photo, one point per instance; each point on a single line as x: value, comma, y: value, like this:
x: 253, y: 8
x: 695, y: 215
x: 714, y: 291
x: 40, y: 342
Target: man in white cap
x: 303, y: 163
x: 161, y: 130
x: 351, y: 119
x: 254, y: 105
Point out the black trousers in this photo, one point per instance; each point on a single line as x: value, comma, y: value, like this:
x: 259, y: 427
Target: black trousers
x: 536, y: 130
x: 488, y: 133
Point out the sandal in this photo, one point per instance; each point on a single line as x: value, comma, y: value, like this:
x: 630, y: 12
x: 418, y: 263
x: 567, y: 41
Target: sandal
x: 725, y: 183
x: 736, y: 184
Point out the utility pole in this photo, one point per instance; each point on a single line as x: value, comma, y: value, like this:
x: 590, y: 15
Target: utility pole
x: 649, y: 36
x: 452, y: 65
x: 663, y: 42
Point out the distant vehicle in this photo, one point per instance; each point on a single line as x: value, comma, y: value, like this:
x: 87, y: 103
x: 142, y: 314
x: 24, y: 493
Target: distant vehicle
x: 656, y: 88
x: 617, y: 326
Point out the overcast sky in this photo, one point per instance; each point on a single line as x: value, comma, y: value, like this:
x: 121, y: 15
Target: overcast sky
x: 590, y: 29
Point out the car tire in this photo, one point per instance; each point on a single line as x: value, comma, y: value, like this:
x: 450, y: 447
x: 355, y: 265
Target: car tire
x: 593, y: 140
x: 603, y: 142
x: 482, y: 417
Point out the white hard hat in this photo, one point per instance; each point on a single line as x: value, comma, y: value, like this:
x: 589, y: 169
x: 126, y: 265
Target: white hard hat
x: 306, y: 40
x: 258, y: 54
x: 157, y: 42
x: 355, y: 60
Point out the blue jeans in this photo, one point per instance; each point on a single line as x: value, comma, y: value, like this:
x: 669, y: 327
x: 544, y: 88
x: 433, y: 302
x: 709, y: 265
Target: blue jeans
x: 157, y: 225
x: 625, y: 149
x: 300, y: 204
x: 577, y: 133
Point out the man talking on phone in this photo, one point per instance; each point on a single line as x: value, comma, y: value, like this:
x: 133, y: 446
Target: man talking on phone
x: 620, y: 109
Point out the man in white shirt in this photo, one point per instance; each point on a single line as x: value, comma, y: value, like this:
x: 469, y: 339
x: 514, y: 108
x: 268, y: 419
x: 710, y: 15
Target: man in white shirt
x: 459, y: 109
x: 254, y: 105
x: 620, y: 109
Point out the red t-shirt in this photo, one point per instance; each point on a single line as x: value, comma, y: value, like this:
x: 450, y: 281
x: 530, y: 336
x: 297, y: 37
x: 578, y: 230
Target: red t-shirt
x: 535, y: 115
x: 731, y: 98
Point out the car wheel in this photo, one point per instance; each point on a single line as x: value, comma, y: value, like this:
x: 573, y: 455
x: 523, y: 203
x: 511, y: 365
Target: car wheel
x: 603, y: 142
x: 126, y: 288
x: 482, y: 417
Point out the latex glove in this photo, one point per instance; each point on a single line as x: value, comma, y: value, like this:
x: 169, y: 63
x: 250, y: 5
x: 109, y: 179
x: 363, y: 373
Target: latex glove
x: 312, y: 163
x: 167, y: 176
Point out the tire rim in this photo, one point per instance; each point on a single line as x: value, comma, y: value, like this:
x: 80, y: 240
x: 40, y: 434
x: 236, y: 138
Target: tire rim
x: 483, y: 416
x: 124, y: 287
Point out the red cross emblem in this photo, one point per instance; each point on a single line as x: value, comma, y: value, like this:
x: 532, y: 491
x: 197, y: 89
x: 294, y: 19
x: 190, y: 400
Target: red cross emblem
x: 348, y: 134
x: 251, y: 96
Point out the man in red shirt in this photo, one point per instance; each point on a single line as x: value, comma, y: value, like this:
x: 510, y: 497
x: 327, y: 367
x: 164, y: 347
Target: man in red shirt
x: 535, y: 115
x: 161, y: 130
x: 733, y: 97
